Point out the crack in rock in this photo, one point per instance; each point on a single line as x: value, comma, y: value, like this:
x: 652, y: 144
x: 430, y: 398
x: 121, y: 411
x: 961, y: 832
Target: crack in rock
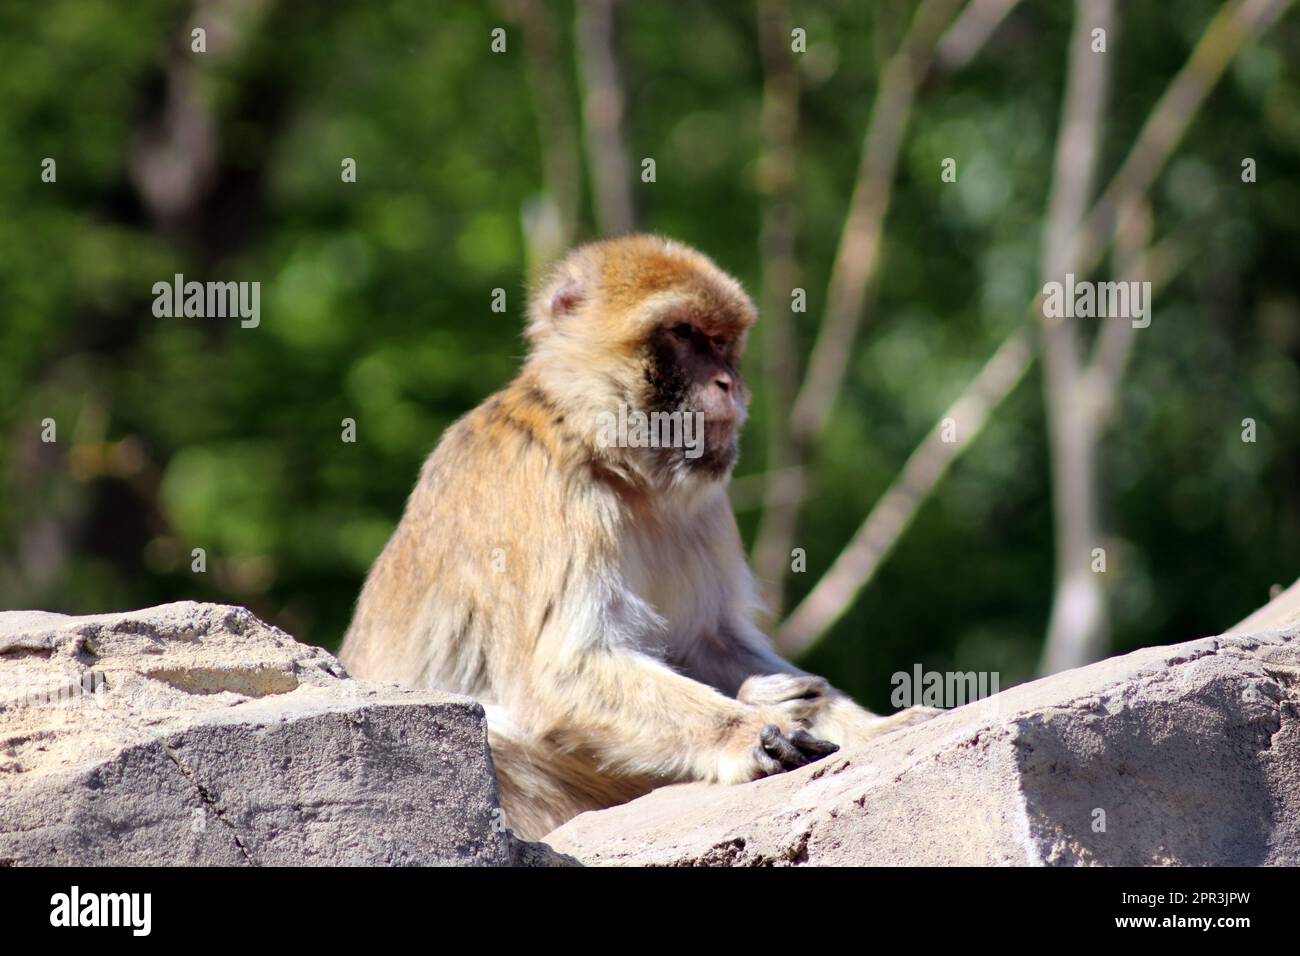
x: 208, y: 800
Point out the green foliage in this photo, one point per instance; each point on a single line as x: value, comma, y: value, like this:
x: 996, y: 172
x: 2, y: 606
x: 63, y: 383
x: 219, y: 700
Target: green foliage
x: 177, y: 434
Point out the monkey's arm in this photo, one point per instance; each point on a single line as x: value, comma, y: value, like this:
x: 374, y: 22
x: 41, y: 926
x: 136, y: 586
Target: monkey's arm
x: 636, y: 715
x: 731, y: 654
x: 742, y: 662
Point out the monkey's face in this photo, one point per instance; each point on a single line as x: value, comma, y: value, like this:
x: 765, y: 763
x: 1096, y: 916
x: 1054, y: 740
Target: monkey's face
x: 692, y: 382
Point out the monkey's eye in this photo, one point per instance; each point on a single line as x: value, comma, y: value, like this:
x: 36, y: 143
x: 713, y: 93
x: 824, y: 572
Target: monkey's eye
x: 683, y: 331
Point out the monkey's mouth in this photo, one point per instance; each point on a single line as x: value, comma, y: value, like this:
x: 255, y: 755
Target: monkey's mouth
x: 677, y: 441
x: 722, y: 432
x: 717, y: 460
x: 715, y: 451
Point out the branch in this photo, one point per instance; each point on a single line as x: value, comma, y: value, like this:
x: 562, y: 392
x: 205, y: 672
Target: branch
x: 893, y: 513
x: 971, y: 31
x: 856, y: 261
x: 552, y: 222
x: 1131, y: 261
x: 747, y: 491
x: 1078, y: 626
x: 920, y: 476
x: 777, y: 170
x: 603, y: 115
x: 832, y: 596
x: 858, y: 256
x: 1234, y: 24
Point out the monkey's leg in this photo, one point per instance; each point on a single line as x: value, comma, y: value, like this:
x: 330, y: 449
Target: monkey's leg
x: 541, y: 787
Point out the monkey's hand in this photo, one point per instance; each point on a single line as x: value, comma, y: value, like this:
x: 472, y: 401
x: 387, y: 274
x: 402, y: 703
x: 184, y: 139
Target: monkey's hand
x: 774, y: 751
x: 777, y: 752
x: 798, y: 697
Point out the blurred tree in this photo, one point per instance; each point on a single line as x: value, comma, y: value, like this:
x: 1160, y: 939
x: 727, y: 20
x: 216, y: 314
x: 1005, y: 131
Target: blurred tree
x: 176, y: 434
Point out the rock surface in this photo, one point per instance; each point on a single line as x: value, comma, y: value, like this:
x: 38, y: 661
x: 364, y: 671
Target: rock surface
x: 1188, y: 754
x: 196, y: 734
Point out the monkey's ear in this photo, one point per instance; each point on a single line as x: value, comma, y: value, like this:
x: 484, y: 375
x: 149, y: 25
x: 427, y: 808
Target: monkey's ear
x: 566, y: 299
x: 556, y: 300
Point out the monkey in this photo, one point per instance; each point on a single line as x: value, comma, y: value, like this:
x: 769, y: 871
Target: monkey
x: 592, y: 592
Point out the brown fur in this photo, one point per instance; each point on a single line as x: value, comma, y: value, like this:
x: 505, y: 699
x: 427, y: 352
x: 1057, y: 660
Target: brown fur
x: 595, y: 599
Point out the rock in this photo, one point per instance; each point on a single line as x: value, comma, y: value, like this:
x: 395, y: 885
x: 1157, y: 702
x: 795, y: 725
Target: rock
x: 196, y: 734
x: 1188, y: 754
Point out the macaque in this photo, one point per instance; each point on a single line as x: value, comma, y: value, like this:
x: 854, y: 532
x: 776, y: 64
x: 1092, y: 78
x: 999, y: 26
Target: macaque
x: 588, y: 588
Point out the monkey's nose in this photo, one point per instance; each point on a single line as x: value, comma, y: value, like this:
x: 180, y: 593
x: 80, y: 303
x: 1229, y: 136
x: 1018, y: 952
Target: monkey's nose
x: 723, y: 382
